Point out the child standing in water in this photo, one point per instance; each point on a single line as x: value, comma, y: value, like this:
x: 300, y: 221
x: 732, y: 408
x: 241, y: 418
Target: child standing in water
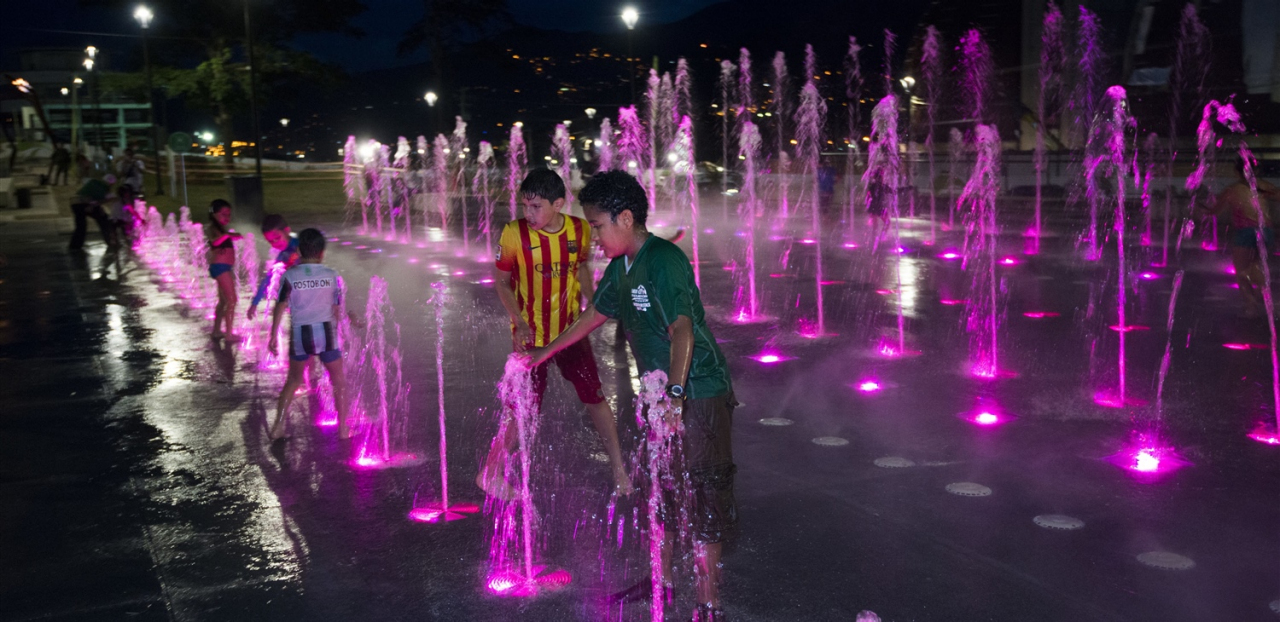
x: 222, y: 261
x: 1235, y: 202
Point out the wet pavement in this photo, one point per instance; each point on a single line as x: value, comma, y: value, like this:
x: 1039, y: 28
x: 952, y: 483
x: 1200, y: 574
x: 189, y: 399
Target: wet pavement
x: 139, y: 483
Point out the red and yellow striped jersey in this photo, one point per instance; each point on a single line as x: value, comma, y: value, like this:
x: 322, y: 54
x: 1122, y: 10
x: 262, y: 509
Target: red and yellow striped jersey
x: 544, y: 273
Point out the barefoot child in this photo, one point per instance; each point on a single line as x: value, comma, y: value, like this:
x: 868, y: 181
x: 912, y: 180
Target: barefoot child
x: 285, y: 244
x: 649, y: 287
x: 542, y: 278
x: 222, y: 261
x: 313, y: 294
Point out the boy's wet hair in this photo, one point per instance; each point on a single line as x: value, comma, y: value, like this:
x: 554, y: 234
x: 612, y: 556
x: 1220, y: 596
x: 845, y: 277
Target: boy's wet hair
x: 273, y: 222
x: 216, y: 205
x: 542, y: 183
x: 614, y: 192
x: 310, y: 243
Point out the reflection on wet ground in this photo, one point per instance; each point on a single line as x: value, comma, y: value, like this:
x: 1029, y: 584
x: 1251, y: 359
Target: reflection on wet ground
x: 139, y: 483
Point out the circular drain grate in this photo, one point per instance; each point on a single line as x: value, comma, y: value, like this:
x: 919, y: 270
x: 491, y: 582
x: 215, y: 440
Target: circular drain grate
x: 830, y: 441
x: 776, y: 421
x: 1058, y: 521
x: 968, y: 489
x: 1275, y: 605
x: 893, y: 462
x: 1165, y: 560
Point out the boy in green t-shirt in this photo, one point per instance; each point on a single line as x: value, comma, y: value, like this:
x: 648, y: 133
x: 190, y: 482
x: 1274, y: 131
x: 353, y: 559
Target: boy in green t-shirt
x: 649, y: 286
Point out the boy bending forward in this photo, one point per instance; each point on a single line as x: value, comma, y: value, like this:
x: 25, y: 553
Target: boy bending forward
x: 649, y: 287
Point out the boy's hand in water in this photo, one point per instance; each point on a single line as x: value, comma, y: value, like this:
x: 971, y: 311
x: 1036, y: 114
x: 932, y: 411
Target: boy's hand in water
x: 532, y: 357
x: 523, y: 336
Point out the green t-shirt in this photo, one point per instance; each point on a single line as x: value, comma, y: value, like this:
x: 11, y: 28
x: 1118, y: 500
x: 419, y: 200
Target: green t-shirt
x: 647, y: 298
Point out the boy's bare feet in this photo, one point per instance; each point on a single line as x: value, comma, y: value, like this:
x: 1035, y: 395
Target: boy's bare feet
x: 234, y: 338
x: 496, y: 486
x: 622, y: 483
x: 278, y: 431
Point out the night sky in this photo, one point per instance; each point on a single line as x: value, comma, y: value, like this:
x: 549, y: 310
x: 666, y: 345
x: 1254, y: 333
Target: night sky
x: 384, y: 23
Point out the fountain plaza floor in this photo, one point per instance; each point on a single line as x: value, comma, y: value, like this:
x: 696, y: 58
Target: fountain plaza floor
x: 138, y: 482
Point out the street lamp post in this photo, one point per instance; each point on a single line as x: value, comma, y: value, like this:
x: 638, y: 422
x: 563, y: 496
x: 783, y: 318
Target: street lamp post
x: 144, y: 17
x: 91, y: 53
x: 629, y: 17
x: 253, y: 93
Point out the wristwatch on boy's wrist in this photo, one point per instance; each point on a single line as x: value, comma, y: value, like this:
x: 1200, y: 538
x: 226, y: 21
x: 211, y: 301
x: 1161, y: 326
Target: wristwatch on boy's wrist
x: 675, y: 391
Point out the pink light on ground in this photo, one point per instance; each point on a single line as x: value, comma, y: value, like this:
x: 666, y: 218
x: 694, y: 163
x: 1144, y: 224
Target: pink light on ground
x: 1264, y: 434
x: 1149, y: 276
x: 1111, y: 400
x: 333, y: 239
x: 850, y: 245
x: 459, y: 273
x: 831, y: 282
x: 1148, y: 457
x: 770, y: 357
x: 346, y: 243
x: 512, y: 584
x: 901, y: 249
x: 1208, y: 246
x: 420, y: 245
x: 869, y: 386
x: 368, y: 461
x: 950, y: 255
x: 951, y: 302
x: 1246, y: 346
x: 779, y: 275
x: 808, y: 241
x: 885, y: 292
x: 1039, y: 314
x: 1231, y: 270
x: 486, y: 281
x: 1008, y: 261
x: 375, y: 250
x: 327, y: 419
x: 442, y: 515
x: 985, y: 418
x: 709, y: 231
x: 413, y: 260
x: 1129, y: 328
x: 361, y: 247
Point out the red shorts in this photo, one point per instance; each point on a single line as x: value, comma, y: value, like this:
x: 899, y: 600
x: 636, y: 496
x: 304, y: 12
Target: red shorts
x: 578, y: 365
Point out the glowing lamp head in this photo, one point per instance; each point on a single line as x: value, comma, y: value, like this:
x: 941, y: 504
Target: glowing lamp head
x: 143, y: 15
x: 630, y: 16
x: 431, y: 98
x: 91, y: 52
x: 22, y: 85
x: 88, y: 64
x: 284, y: 123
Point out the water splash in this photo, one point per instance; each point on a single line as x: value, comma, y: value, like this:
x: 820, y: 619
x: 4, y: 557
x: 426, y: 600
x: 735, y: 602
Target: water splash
x: 440, y: 177
x: 381, y: 391
x: 749, y: 151
x: 853, y: 85
x: 444, y: 512
x: 480, y: 187
x: 931, y: 62
x: 562, y: 152
x: 1189, y: 71
x: 981, y: 234
x: 632, y: 142
x: 604, y: 147
x: 1168, y: 345
x: 517, y: 162
x: 511, y: 550
x: 1053, y: 63
x: 686, y: 164
x: 883, y: 173
x: 663, y: 429
x: 782, y: 106
x: 726, y: 87
x: 809, y: 122
x: 890, y: 47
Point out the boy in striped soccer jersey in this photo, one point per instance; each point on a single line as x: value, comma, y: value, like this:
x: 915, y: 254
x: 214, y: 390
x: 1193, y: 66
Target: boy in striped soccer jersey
x: 543, y: 278
x: 312, y: 292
